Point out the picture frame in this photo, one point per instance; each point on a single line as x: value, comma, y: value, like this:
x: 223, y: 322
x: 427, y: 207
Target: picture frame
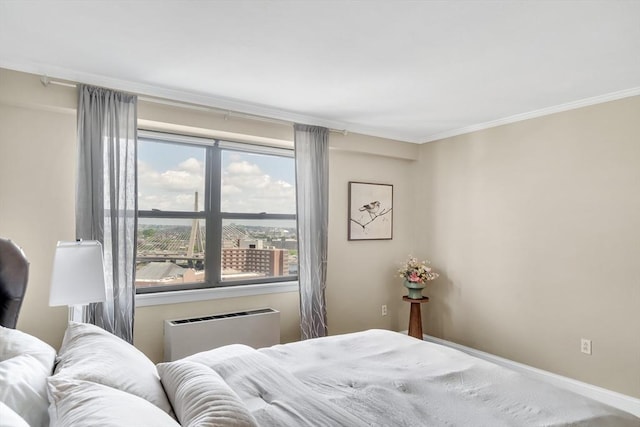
x: 370, y: 211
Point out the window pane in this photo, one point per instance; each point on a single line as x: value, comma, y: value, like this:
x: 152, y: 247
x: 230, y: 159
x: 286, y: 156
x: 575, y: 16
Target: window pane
x: 258, y: 249
x: 170, y: 176
x: 254, y: 183
x: 169, y: 252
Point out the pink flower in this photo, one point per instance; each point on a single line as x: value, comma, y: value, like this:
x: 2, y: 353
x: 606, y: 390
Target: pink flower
x: 413, y: 277
x: 417, y: 272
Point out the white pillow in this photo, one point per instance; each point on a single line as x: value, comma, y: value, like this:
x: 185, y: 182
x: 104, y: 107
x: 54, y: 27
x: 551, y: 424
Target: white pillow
x: 14, y: 342
x: 25, y: 364
x: 77, y: 403
x: 200, y: 396
x: 92, y: 354
x: 23, y: 388
x: 8, y: 418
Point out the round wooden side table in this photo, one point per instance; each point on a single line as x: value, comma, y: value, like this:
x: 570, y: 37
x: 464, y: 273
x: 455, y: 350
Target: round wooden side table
x: 415, y: 317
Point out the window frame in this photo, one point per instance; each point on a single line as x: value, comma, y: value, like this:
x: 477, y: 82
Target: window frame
x: 212, y: 214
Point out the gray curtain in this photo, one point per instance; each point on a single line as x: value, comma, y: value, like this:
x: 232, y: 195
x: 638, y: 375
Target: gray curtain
x: 106, y: 198
x: 312, y: 193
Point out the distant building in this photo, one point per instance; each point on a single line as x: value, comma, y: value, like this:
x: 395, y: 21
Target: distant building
x: 166, y: 273
x: 267, y: 262
x: 251, y: 244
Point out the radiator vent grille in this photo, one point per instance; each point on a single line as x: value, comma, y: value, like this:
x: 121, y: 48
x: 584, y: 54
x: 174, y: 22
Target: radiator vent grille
x: 220, y: 316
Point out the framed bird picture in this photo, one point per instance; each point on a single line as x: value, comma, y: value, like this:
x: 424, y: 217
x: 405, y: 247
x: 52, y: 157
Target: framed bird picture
x: 370, y: 211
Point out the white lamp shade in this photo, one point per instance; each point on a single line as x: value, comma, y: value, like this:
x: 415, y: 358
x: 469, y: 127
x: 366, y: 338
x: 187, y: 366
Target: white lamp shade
x: 78, y: 274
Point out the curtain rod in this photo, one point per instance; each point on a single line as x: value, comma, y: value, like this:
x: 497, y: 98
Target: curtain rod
x: 46, y: 81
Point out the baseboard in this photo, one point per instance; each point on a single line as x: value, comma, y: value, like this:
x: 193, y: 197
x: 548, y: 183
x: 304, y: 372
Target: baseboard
x: 609, y: 397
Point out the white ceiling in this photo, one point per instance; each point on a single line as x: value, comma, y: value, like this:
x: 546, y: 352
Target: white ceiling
x: 408, y: 70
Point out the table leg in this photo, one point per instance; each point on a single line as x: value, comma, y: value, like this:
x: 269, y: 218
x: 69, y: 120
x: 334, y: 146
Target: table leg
x: 415, y: 321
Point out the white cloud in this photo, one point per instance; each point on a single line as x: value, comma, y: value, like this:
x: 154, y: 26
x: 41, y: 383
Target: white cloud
x: 178, y: 181
x: 245, y: 188
x: 192, y: 165
x: 243, y: 168
x: 230, y: 190
x: 146, y: 173
x: 172, y: 189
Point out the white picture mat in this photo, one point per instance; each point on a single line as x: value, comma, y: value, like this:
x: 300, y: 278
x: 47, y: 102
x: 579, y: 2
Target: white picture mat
x: 370, y: 211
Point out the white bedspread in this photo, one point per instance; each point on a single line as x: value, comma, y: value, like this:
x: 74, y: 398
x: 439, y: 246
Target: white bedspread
x: 383, y: 378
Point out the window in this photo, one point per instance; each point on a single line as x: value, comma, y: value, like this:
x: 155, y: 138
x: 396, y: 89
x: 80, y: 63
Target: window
x: 213, y: 213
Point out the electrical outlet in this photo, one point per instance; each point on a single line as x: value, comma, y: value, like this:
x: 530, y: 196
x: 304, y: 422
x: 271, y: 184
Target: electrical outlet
x: 384, y: 309
x: 585, y: 346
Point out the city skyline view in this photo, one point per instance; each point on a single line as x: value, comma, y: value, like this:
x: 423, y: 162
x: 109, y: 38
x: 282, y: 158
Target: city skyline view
x: 175, y: 254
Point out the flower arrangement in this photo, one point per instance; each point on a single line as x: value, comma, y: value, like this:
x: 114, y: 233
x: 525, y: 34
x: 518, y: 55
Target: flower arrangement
x: 415, y: 271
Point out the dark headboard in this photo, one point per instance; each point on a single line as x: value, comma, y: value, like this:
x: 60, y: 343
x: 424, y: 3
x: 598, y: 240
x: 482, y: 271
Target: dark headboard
x: 14, y: 274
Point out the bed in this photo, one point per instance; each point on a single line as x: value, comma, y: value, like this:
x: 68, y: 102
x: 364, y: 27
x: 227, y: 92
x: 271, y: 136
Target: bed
x: 384, y: 378
x: 369, y: 378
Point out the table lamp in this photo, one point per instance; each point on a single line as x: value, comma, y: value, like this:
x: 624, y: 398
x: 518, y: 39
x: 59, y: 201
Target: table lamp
x: 78, y: 277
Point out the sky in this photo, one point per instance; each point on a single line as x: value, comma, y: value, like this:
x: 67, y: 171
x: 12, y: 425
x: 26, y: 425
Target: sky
x: 170, y: 174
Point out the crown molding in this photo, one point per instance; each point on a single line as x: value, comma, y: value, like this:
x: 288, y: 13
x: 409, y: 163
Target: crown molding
x: 537, y: 113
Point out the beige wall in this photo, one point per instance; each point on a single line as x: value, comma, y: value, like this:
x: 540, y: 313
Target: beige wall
x: 535, y: 227
x: 37, y: 187
x: 37, y: 191
x: 362, y: 274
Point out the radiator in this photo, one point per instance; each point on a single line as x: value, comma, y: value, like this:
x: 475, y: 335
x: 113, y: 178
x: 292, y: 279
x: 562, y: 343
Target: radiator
x: 256, y: 328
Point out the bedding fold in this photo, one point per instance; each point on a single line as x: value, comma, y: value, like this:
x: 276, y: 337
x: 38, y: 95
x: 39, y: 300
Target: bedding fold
x: 272, y: 394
